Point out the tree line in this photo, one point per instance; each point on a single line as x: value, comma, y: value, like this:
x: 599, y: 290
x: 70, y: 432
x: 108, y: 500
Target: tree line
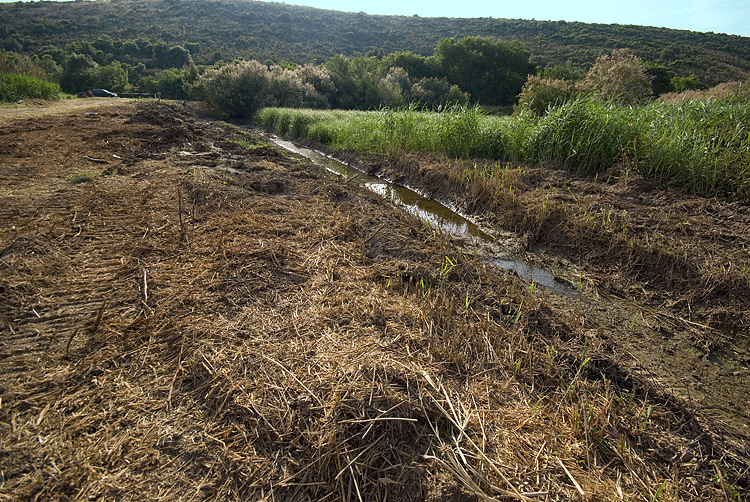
x: 470, y: 70
x: 134, y: 32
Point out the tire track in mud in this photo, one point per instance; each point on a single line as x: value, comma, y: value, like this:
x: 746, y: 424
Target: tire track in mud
x: 653, y: 342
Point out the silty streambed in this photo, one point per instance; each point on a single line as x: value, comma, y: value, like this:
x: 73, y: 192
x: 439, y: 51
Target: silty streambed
x: 433, y: 213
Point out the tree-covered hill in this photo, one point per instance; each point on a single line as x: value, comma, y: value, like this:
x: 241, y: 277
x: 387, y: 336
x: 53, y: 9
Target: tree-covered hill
x: 153, y: 32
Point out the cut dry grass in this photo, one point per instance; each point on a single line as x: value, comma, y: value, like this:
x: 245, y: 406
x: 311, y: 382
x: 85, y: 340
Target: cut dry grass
x: 257, y: 338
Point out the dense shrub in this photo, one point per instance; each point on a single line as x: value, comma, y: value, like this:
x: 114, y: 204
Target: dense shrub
x: 237, y: 89
x: 14, y: 86
x: 621, y: 77
x: 730, y: 91
x: 24, y: 78
x: 434, y: 93
x: 43, y: 68
x: 541, y: 94
x: 320, y: 78
x: 241, y: 89
x: 682, y: 84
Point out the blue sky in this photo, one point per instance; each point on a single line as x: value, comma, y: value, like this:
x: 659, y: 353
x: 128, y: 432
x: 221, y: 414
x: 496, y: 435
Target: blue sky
x: 719, y: 16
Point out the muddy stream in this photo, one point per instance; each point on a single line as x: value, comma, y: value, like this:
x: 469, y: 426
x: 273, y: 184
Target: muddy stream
x: 438, y: 216
x: 654, y: 343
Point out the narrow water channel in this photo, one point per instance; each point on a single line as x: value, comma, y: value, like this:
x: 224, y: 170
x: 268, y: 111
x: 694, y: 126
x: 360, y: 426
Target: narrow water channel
x: 431, y: 212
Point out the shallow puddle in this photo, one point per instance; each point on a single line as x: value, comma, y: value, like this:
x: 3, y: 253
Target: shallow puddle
x: 430, y: 211
x: 540, y: 276
x: 433, y: 213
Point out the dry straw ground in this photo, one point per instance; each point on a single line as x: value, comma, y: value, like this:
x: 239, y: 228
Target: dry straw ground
x: 189, y: 314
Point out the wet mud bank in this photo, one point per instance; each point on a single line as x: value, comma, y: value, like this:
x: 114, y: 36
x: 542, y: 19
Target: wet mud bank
x: 499, y: 250
x: 654, y: 292
x: 677, y: 252
x: 691, y: 249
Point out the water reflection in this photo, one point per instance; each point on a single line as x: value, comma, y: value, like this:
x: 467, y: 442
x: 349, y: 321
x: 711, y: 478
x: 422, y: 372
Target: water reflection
x: 430, y: 211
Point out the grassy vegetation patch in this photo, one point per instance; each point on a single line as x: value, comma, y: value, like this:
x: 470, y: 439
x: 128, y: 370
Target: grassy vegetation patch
x: 14, y: 86
x: 701, y: 147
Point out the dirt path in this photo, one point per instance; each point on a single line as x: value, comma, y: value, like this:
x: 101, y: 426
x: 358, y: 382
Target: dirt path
x: 188, y: 313
x: 29, y: 110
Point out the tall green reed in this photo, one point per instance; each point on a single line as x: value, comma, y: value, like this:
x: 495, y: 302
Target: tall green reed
x: 699, y: 147
x: 15, y: 86
x: 586, y: 136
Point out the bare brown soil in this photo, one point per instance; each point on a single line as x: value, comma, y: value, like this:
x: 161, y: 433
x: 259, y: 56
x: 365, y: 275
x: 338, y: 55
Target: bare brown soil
x: 189, y: 314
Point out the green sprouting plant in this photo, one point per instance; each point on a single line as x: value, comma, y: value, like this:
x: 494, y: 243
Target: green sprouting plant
x: 467, y: 301
x: 447, y: 266
x: 532, y: 288
x: 720, y: 479
x: 655, y: 497
x: 646, y: 420
x: 518, y: 313
x: 580, y: 369
x: 423, y: 286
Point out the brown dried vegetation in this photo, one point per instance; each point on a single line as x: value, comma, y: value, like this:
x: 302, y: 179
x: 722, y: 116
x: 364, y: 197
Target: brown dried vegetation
x: 685, y: 250
x: 206, y: 318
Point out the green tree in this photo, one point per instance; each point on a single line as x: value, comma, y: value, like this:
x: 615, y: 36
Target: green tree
x: 682, y: 84
x: 113, y: 77
x: 168, y: 83
x: 661, y: 78
x: 435, y: 92
x: 418, y: 67
x: 75, y: 77
x: 159, y: 52
x: 562, y: 72
x: 492, y: 71
x: 358, y: 81
x: 176, y: 57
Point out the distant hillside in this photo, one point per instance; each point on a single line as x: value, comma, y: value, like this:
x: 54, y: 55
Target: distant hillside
x: 227, y: 29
